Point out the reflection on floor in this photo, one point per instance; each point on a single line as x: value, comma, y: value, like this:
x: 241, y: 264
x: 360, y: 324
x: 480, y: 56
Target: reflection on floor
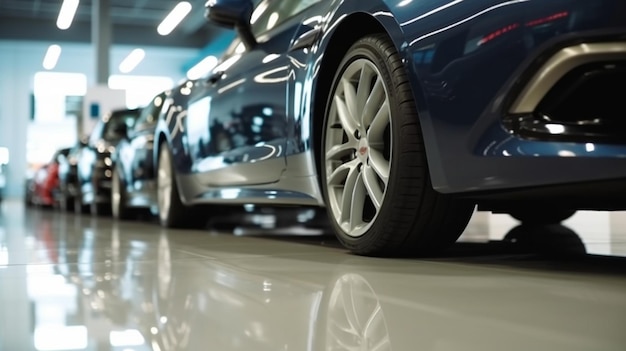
x: 70, y: 282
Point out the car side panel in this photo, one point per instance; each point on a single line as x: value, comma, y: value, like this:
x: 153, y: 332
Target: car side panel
x: 462, y: 58
x: 465, y: 57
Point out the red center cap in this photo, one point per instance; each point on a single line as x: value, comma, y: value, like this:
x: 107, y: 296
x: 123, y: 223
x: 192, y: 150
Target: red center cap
x: 363, y: 150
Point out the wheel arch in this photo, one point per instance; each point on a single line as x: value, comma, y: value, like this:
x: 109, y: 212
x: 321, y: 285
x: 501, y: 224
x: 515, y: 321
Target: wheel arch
x: 351, y: 28
x: 348, y: 31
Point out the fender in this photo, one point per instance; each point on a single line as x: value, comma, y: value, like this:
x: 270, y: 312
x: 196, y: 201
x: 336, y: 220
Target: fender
x: 171, y: 128
x: 320, y: 45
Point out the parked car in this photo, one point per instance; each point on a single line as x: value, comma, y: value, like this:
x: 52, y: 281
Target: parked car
x: 94, y: 161
x: 43, y: 188
x: 133, y: 179
x: 68, y: 177
x: 401, y: 116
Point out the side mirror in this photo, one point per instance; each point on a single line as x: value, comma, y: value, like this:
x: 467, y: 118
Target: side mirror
x: 233, y: 14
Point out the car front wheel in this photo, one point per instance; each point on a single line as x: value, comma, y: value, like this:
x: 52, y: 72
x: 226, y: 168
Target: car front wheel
x: 375, y: 176
x: 119, y: 207
x: 172, y: 212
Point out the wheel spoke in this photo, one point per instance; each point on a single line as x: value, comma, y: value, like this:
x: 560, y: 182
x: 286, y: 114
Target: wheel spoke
x: 340, y: 174
x: 349, y: 94
x: 339, y: 151
x: 363, y: 90
x: 347, y: 121
x: 357, y: 202
x: 346, y: 205
x: 370, y: 181
x: 374, y: 100
x: 380, y: 165
x: 379, y: 124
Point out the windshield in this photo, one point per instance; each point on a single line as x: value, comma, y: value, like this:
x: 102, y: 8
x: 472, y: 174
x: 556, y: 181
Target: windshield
x: 114, y: 128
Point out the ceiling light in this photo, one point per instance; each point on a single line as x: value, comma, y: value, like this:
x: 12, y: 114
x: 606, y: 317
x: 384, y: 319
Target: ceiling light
x: 66, y: 15
x: 174, y: 18
x: 202, y: 68
x: 52, y: 56
x: 132, y: 60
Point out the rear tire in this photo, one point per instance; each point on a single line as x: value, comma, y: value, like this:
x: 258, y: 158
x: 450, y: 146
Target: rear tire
x: 119, y: 198
x: 66, y: 202
x: 375, y: 175
x: 79, y: 206
x: 100, y: 209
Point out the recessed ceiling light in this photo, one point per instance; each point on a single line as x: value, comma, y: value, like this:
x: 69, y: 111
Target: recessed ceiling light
x: 66, y: 14
x: 132, y: 60
x: 172, y: 20
x: 52, y: 56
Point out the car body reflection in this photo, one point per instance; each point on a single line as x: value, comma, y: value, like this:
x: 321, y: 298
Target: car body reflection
x: 104, y: 285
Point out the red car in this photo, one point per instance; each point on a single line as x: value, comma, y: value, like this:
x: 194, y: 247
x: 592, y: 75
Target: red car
x: 43, y: 189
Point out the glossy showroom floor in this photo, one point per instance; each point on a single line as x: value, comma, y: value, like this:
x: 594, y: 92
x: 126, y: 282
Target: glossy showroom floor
x: 71, y: 282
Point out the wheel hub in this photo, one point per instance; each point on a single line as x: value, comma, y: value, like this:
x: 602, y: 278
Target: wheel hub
x: 363, y: 151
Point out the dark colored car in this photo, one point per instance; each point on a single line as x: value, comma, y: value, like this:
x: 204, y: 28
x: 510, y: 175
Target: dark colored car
x: 43, y: 189
x: 133, y: 185
x: 68, y: 177
x: 401, y: 116
x: 94, y: 161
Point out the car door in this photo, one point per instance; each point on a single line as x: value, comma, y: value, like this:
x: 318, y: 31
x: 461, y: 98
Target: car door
x: 243, y: 140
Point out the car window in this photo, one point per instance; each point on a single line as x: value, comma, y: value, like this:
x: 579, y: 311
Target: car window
x: 111, y: 130
x: 271, y: 13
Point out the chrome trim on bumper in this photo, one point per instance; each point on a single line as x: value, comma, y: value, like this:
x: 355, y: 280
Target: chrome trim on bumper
x: 559, y: 65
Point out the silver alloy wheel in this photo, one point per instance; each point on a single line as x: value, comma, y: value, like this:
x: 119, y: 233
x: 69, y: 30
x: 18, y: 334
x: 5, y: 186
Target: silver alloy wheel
x: 164, y: 184
x: 358, y: 147
x: 116, y: 194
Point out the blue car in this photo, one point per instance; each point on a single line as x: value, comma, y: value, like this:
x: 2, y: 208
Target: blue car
x: 401, y: 117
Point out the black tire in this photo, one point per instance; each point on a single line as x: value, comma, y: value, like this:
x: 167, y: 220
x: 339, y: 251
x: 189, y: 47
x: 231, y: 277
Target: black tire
x: 79, y: 206
x: 66, y: 201
x: 542, y: 215
x: 172, y: 212
x: 100, y: 209
x: 119, y: 198
x: 411, y: 217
